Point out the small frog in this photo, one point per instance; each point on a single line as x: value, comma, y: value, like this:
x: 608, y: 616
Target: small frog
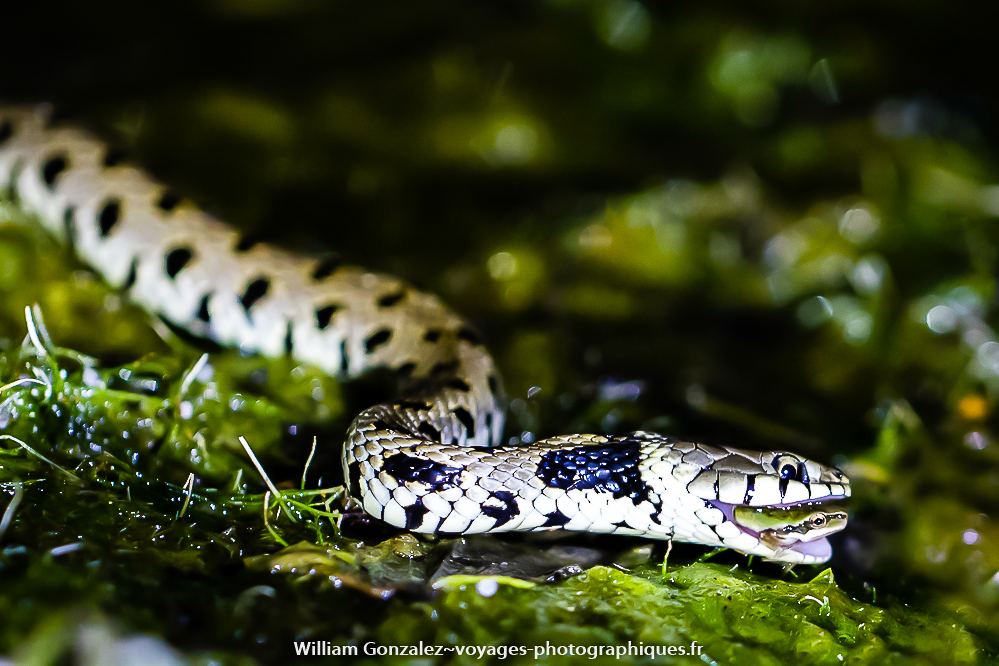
x: 781, y: 528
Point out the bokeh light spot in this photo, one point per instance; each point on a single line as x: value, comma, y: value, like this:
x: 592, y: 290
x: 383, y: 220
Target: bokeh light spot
x: 859, y: 225
x: 941, y: 319
x: 502, y: 266
x: 973, y: 407
x: 515, y: 144
x: 625, y: 24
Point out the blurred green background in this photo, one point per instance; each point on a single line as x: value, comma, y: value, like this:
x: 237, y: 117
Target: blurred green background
x: 770, y: 226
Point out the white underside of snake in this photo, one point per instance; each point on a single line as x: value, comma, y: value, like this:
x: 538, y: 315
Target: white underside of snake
x: 421, y: 462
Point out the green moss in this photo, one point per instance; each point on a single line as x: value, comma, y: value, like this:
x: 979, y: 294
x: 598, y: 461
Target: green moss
x: 735, y: 616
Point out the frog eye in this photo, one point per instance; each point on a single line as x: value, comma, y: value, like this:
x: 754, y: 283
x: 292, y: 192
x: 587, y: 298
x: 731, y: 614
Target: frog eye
x: 818, y: 521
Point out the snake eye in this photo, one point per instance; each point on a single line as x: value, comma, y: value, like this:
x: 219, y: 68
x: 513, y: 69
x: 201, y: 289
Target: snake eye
x: 790, y: 468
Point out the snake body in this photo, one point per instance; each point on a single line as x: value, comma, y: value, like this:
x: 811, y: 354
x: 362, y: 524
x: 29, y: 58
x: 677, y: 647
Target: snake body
x: 427, y: 461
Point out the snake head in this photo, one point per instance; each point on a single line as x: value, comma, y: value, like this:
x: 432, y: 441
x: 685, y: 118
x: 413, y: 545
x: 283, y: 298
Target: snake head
x: 773, y: 504
x: 789, y: 513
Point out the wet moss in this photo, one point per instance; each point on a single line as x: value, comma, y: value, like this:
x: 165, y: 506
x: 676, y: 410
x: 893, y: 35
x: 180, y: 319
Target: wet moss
x: 733, y: 615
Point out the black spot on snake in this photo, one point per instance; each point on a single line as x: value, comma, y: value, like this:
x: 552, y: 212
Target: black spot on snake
x: 414, y: 515
x: 203, y: 313
x: 444, y: 368
x: 256, y: 290
x: 782, y: 485
x: 176, y: 259
x: 433, y: 335
x: 108, y: 216
x: 657, y: 509
x: 324, y: 316
x: 556, y: 519
x: 609, y: 468
x: 377, y: 339
x: 344, y: 357
x: 430, y: 432
x: 503, y: 514
x: 168, y: 201
x: 68, y: 228
x: 391, y: 299
x: 750, y: 488
x: 51, y: 168
x: 354, y: 478
x: 407, y: 468
x: 381, y: 425
x: 113, y: 157
x: 245, y: 243
x: 493, y: 384
x: 465, y: 419
x: 406, y: 369
x: 133, y: 275
x: 326, y: 267
x: 6, y: 131
x: 289, y: 338
x: 458, y: 385
x: 8, y: 188
x: 468, y: 335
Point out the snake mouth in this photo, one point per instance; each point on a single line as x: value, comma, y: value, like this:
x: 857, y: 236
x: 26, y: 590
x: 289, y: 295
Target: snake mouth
x: 817, y: 550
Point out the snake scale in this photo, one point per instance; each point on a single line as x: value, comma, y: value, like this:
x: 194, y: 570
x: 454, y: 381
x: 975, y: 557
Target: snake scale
x: 427, y: 461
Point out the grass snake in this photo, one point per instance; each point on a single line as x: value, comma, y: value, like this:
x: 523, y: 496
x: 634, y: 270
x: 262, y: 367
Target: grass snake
x: 428, y: 460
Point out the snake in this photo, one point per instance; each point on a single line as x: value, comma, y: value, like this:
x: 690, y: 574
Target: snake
x: 429, y: 460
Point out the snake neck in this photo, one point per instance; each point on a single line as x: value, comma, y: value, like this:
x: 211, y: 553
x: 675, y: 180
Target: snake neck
x: 204, y: 277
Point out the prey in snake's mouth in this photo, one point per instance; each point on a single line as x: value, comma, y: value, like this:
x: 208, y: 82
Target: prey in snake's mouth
x: 804, y: 514
x: 800, y: 527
